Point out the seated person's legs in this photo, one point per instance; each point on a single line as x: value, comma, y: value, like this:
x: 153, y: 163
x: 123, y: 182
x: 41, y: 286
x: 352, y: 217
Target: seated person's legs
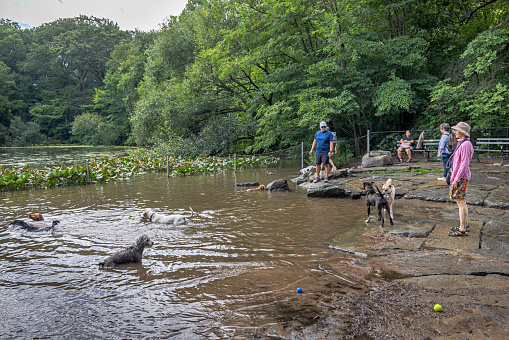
x: 399, y: 154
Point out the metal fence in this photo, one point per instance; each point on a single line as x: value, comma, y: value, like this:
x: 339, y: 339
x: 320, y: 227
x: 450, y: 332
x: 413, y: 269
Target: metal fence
x: 354, y: 148
x: 298, y: 157
x: 386, y: 140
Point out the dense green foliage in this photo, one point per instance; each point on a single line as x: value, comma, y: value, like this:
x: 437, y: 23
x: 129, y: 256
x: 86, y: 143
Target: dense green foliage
x: 256, y: 75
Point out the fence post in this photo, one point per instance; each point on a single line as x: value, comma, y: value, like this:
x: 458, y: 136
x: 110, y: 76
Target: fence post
x: 88, y: 173
x: 235, y: 162
x: 367, y: 137
x: 302, y: 155
x: 167, y: 166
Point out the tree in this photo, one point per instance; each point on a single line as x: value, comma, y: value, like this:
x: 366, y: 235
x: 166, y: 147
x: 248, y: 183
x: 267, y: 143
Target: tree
x: 66, y: 62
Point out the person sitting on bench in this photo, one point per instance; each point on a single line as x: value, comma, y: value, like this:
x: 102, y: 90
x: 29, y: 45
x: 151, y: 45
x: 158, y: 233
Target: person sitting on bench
x: 406, y: 143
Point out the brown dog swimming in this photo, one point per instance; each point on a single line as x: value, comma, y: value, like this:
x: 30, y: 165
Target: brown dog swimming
x: 36, y: 216
x: 260, y: 188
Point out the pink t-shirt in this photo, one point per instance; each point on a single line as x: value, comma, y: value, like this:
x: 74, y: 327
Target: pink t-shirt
x: 461, y: 161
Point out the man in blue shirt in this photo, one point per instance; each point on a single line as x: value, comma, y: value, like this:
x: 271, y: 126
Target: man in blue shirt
x: 324, y: 148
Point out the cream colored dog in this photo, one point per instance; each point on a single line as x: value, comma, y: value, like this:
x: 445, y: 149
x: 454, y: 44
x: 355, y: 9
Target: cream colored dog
x: 176, y: 219
x: 389, y: 191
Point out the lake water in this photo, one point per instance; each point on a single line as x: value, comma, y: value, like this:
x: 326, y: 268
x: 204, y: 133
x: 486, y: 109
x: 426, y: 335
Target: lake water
x: 48, y: 156
x: 213, y: 278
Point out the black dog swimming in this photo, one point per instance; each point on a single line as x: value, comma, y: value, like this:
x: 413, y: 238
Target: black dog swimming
x: 29, y: 227
x: 377, y: 200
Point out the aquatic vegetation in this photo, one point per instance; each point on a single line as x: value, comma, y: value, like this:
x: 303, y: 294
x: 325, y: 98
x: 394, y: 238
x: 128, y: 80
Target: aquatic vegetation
x: 110, y: 169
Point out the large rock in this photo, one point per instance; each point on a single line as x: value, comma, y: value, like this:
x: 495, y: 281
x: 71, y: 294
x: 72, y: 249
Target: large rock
x: 304, y: 175
x: 377, y: 158
x: 331, y: 190
x: 280, y: 185
x: 306, y: 171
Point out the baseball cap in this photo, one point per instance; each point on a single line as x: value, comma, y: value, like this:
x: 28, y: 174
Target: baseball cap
x: 323, y: 124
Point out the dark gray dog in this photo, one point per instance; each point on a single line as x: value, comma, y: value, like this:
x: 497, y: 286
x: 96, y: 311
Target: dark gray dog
x: 128, y: 255
x: 377, y: 200
x: 29, y: 227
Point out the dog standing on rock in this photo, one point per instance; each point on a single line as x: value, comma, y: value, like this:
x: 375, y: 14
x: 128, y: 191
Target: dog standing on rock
x: 131, y: 254
x: 377, y: 200
x: 389, y: 192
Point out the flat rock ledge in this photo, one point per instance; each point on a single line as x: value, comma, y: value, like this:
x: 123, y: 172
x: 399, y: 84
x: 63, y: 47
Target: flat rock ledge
x: 423, y: 216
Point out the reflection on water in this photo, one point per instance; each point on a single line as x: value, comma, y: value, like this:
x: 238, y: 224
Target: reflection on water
x: 203, y: 280
x: 56, y: 156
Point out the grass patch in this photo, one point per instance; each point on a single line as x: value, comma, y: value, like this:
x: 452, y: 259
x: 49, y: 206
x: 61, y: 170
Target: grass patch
x: 418, y: 170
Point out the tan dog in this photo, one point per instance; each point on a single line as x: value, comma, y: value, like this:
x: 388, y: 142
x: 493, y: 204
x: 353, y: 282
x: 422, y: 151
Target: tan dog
x: 36, y: 216
x: 389, y: 191
x: 260, y: 188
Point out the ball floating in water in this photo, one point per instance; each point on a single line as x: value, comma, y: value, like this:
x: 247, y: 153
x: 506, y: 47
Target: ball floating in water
x: 437, y: 308
x: 299, y: 290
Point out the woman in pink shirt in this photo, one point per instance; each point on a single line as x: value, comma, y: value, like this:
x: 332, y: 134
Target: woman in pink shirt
x: 461, y: 175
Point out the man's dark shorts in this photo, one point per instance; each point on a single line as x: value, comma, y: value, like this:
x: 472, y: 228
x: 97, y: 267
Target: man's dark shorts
x: 321, y: 158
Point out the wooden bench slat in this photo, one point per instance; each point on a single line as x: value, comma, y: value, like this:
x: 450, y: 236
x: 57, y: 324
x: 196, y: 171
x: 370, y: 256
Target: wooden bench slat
x: 493, y: 143
x: 491, y: 139
x: 502, y: 142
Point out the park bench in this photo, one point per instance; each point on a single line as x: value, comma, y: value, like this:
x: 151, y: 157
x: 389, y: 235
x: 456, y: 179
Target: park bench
x: 503, y: 143
x: 428, y: 146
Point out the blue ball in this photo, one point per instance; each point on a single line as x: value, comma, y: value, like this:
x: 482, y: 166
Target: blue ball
x: 299, y: 290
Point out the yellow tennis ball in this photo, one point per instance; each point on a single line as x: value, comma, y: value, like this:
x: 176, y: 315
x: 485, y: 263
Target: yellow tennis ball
x: 438, y: 308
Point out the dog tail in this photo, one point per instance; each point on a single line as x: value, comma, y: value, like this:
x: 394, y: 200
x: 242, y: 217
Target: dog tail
x: 192, y: 213
x: 379, y: 192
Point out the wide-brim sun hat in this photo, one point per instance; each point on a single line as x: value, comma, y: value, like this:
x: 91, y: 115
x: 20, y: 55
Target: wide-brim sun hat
x: 323, y: 124
x: 462, y: 127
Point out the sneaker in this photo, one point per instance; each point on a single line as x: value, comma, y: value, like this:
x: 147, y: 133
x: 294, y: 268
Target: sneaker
x: 316, y: 180
x: 326, y: 180
x: 441, y: 178
x: 334, y: 168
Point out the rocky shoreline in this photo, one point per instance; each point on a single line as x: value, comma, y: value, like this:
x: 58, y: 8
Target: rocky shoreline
x: 382, y: 284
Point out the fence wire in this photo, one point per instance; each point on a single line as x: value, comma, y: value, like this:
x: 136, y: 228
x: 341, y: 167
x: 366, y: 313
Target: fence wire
x: 297, y: 157
x: 386, y: 140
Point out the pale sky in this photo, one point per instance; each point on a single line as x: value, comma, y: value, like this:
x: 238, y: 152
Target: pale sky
x: 144, y: 15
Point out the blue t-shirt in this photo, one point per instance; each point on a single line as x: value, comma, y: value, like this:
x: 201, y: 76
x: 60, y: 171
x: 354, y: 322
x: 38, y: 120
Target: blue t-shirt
x: 323, y: 140
x: 444, y: 140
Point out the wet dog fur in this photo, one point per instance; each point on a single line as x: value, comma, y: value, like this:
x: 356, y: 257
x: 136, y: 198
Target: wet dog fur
x: 31, y: 228
x: 389, y: 192
x: 131, y: 254
x: 260, y: 188
x: 36, y: 216
x: 377, y: 200
x: 175, y: 219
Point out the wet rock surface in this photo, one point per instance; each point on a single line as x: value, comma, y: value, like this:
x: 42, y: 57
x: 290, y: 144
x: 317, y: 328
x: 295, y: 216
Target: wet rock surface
x: 279, y: 185
x: 383, y: 283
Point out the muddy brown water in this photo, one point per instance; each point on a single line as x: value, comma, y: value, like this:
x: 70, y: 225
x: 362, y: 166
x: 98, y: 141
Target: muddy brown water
x: 209, y: 279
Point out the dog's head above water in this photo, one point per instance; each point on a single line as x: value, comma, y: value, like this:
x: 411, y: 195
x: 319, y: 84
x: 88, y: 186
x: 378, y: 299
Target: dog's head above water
x: 147, y: 214
x: 36, y: 216
x: 144, y: 241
